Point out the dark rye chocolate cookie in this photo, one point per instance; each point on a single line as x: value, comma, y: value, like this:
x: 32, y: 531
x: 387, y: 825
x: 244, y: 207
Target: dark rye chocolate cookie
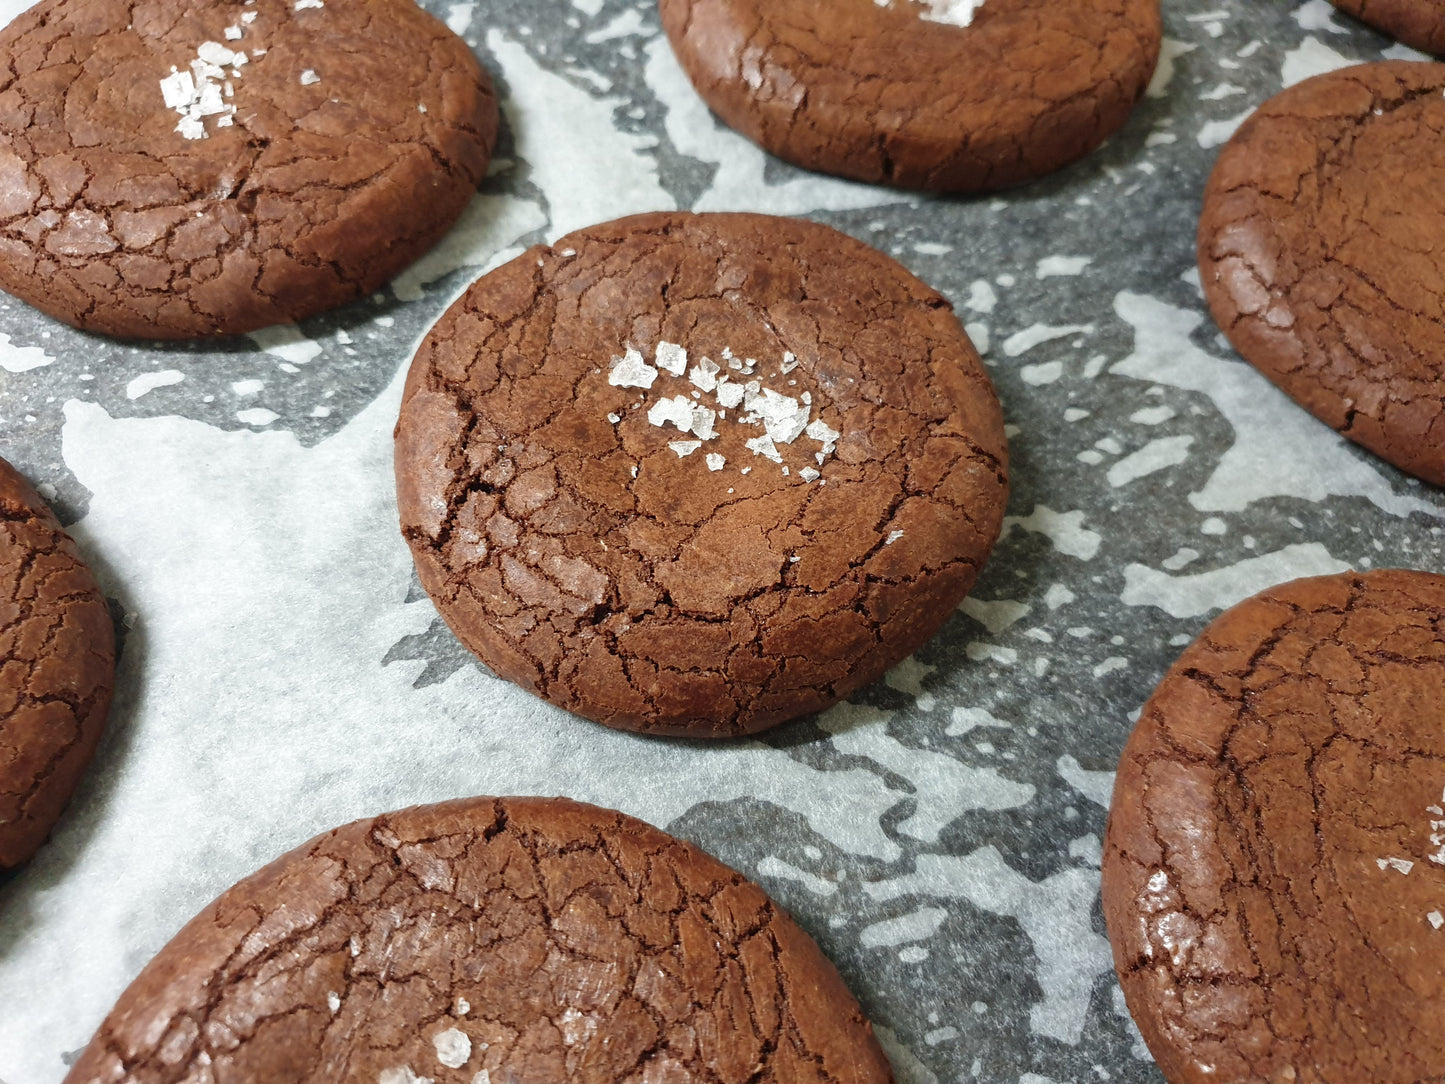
x: 489, y: 941
x: 1420, y: 24
x: 699, y: 474
x: 57, y: 668
x: 176, y: 169
x: 1274, y: 873
x: 1322, y: 253
x: 946, y: 95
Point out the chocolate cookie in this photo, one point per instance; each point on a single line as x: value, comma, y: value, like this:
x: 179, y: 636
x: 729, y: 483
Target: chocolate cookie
x: 1420, y: 24
x: 57, y: 668
x: 489, y: 941
x: 947, y: 95
x: 1274, y: 874
x: 698, y: 474
x: 174, y: 169
x: 1321, y: 250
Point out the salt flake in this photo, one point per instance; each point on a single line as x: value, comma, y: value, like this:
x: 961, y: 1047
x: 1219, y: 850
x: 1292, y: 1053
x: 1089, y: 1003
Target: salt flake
x: 702, y: 422
x: 1401, y: 864
x: 763, y: 446
x: 178, y: 89
x: 302, y: 5
x: 631, y: 371
x: 684, y: 448
x: 232, y: 33
x: 783, y: 417
x: 671, y: 357
x: 677, y: 410
x: 213, y: 52
x: 308, y: 77
x: 808, y: 474
x: 704, y: 374
x: 789, y: 362
x: 1436, y: 919
x: 715, y: 461
x: 893, y: 536
x: 729, y: 395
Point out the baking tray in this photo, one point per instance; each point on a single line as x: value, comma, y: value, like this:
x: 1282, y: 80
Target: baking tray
x: 282, y: 672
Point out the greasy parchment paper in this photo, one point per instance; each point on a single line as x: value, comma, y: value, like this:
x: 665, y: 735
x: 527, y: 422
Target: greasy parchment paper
x: 940, y: 834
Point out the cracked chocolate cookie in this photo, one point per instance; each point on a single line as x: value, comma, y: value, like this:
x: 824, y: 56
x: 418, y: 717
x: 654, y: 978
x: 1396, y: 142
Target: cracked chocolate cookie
x: 699, y: 474
x: 1420, y: 24
x: 1274, y: 873
x: 946, y: 95
x: 1321, y: 251
x: 489, y: 940
x: 171, y: 169
x: 57, y: 668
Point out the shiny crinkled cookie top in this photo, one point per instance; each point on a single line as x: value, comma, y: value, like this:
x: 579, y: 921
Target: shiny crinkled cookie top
x: 1322, y: 253
x: 175, y: 170
x: 1274, y: 870
x: 489, y: 941
x: 699, y: 474
x: 945, y: 95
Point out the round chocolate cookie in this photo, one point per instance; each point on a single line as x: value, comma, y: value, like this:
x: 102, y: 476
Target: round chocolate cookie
x: 1322, y: 251
x: 1274, y: 873
x: 57, y: 668
x: 699, y: 474
x: 489, y: 941
x: 174, y: 169
x: 1420, y: 24
x: 946, y: 95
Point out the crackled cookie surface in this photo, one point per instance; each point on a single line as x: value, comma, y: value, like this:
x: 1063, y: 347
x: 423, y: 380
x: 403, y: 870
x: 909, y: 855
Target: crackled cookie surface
x: 1420, y: 24
x: 699, y: 474
x: 1322, y: 253
x: 489, y: 940
x: 172, y: 169
x: 947, y: 95
x: 1274, y: 873
x: 57, y: 668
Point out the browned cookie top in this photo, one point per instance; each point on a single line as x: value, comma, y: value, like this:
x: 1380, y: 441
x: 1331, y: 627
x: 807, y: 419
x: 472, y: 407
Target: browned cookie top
x: 171, y: 168
x: 57, y: 668
x: 1417, y: 23
x: 1322, y: 252
x: 489, y: 941
x: 699, y: 474
x: 1274, y: 874
x: 950, y: 95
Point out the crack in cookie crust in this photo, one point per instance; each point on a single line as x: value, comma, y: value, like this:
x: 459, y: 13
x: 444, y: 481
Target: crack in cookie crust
x: 1272, y: 880
x: 1321, y: 252
x: 503, y: 940
x: 882, y: 95
x: 583, y: 559
x: 361, y: 129
x: 57, y: 668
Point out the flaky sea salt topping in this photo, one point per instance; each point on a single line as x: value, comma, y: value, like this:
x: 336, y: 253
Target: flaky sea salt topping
x: 783, y: 418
